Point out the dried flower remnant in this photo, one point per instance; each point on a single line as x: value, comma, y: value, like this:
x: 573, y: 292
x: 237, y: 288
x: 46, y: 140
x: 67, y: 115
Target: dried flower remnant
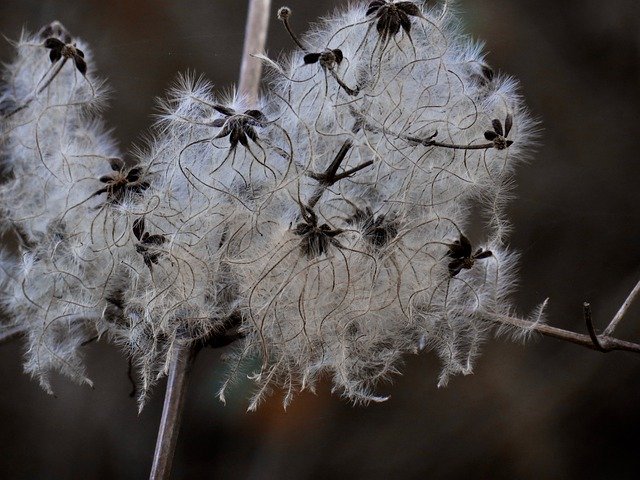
x: 499, y: 136
x: 377, y: 230
x: 328, y: 59
x: 316, y: 239
x: 67, y: 51
x: 239, y: 127
x: 483, y: 73
x: 121, y: 182
x: 461, y: 252
x: 392, y: 16
x: 147, y: 244
x: 55, y: 29
x: 59, y: 49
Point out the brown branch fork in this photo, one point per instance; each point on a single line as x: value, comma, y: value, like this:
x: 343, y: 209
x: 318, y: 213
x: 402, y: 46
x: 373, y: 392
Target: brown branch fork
x: 602, y: 343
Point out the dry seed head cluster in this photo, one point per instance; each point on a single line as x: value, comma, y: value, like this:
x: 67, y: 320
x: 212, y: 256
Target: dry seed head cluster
x: 328, y: 225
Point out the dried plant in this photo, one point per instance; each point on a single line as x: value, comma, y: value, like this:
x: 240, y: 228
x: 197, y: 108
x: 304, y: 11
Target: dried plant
x: 322, y: 227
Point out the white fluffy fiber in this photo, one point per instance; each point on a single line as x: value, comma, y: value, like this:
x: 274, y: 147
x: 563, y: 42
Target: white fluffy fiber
x: 225, y: 227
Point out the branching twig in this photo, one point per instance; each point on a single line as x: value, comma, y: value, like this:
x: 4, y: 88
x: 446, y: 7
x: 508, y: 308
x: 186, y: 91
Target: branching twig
x: 623, y: 309
x: 606, y: 343
x: 331, y: 175
x: 586, y: 309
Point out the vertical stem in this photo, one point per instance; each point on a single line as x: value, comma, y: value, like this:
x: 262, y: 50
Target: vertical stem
x: 183, y: 356
x: 177, y: 383
x: 254, y: 40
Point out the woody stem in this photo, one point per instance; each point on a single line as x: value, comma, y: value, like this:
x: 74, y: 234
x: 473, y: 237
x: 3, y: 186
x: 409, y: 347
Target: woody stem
x: 184, y: 355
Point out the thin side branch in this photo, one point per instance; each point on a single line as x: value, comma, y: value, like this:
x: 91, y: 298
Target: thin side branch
x: 586, y: 308
x: 606, y: 343
x: 350, y: 91
x: 283, y: 15
x: 52, y: 75
x: 177, y: 382
x: 623, y: 309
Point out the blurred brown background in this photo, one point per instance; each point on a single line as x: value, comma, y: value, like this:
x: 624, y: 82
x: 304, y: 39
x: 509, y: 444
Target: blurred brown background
x: 544, y: 410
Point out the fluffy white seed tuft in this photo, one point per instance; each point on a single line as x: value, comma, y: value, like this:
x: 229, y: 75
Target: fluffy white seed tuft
x: 325, y: 229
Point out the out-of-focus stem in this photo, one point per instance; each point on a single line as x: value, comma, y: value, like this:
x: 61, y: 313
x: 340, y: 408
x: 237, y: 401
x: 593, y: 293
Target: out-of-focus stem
x: 254, y: 41
x: 183, y: 355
